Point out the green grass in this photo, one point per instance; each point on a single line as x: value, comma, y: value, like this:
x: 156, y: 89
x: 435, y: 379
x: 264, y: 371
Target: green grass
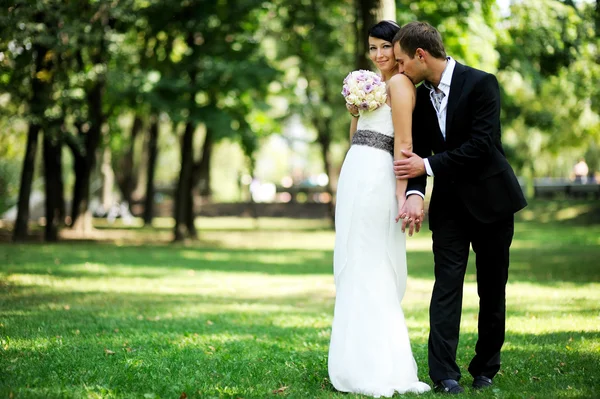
x: 247, y: 309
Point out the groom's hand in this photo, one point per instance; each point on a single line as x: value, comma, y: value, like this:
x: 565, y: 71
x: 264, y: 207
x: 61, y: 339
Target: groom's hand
x: 412, y: 166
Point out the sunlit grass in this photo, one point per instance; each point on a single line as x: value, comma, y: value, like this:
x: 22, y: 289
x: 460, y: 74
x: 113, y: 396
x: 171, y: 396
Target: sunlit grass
x: 246, y: 311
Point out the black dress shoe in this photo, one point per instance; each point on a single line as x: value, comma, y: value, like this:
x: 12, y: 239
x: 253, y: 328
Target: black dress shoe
x: 448, y: 386
x: 481, y: 382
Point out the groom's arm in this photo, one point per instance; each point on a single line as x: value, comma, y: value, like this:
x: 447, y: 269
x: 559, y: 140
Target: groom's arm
x: 485, y: 124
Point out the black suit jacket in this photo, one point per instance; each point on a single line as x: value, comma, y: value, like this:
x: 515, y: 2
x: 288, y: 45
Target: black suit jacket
x: 470, y: 168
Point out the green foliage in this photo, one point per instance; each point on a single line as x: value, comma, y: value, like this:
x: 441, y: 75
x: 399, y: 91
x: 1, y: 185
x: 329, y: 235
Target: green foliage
x: 467, y: 28
x: 548, y: 61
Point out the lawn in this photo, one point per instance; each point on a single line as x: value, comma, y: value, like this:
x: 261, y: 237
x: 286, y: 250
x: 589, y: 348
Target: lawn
x: 245, y: 312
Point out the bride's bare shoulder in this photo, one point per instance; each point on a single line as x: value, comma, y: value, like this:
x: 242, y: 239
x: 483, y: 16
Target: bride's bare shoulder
x: 400, y: 80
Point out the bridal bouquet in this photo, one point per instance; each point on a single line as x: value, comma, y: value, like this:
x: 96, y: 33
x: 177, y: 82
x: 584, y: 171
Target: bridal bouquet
x: 365, y: 89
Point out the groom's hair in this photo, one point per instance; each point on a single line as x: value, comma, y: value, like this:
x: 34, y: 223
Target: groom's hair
x: 416, y: 35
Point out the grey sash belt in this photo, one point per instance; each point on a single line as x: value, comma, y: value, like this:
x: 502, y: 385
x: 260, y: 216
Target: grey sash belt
x: 374, y: 140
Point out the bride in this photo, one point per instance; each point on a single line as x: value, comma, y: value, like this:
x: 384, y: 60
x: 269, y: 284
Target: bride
x: 370, y: 350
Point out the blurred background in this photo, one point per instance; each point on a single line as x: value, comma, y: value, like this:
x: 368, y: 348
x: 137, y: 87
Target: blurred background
x: 143, y: 109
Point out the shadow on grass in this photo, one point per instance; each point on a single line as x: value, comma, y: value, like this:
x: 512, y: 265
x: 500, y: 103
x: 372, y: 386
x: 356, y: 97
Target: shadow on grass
x: 574, y: 263
x: 568, y: 212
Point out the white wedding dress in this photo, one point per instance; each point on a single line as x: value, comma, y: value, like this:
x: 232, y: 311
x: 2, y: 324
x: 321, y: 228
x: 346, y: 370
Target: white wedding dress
x: 370, y: 350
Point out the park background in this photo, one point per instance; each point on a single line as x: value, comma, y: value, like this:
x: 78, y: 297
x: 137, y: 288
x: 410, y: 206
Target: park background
x: 167, y: 188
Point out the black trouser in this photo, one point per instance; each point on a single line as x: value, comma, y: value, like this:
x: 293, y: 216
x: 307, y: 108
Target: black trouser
x: 491, y: 243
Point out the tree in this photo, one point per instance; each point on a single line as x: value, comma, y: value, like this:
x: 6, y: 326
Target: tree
x: 204, y: 82
x: 32, y: 61
x: 548, y: 59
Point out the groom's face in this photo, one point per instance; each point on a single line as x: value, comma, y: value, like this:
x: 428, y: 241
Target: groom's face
x: 412, y: 68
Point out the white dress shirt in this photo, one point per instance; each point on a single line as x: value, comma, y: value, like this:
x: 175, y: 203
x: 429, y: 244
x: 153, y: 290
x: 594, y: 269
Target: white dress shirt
x: 444, y: 86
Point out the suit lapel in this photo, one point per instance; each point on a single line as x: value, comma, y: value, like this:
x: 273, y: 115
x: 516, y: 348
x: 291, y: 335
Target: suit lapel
x: 458, y: 79
x: 430, y: 119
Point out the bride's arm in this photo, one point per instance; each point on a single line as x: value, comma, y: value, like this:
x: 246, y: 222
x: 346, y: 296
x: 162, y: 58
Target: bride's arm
x: 402, y: 95
x: 354, y: 122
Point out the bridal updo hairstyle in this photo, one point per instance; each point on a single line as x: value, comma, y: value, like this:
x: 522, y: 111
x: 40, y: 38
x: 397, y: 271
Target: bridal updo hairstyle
x: 384, y: 30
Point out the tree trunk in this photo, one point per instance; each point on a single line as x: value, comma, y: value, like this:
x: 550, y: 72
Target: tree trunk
x: 53, y: 185
x: 84, y: 165
x: 202, y: 168
x: 108, y: 179
x: 325, y: 142
x: 22, y: 221
x: 365, y: 18
x: 324, y: 139
x: 367, y: 14
x: 184, y: 185
x: 39, y: 99
x: 126, y: 176
x: 597, y: 18
x: 190, y: 216
x: 150, y: 169
x: 386, y: 9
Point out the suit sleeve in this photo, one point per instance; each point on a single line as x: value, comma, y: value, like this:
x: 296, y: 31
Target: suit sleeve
x: 422, y: 148
x: 486, y: 122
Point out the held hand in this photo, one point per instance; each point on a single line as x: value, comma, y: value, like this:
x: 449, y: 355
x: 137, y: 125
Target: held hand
x: 401, y: 202
x: 353, y: 109
x: 412, y: 214
x: 412, y: 166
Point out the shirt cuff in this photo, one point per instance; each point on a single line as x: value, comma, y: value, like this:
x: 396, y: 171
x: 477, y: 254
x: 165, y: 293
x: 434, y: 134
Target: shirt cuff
x: 428, y: 167
x: 415, y: 192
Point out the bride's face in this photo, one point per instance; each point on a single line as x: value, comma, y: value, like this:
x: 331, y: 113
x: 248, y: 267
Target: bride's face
x: 381, y: 53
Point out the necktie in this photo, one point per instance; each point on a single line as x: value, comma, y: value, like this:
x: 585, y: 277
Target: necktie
x: 437, y: 96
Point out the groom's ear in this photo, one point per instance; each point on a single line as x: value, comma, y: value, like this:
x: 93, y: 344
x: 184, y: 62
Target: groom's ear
x: 420, y: 53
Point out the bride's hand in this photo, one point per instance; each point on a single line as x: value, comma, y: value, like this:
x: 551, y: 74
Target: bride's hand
x: 401, y: 211
x: 353, y: 109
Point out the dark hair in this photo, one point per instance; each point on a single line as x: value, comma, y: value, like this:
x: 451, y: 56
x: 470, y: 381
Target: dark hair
x: 416, y: 35
x: 384, y: 30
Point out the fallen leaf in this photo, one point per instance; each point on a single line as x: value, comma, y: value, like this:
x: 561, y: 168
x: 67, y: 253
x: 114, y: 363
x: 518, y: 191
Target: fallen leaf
x: 183, y: 395
x: 210, y: 323
x: 280, y: 390
x: 108, y: 351
x: 67, y: 307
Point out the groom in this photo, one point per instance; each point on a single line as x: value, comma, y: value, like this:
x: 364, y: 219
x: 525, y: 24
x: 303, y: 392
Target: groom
x: 456, y: 139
